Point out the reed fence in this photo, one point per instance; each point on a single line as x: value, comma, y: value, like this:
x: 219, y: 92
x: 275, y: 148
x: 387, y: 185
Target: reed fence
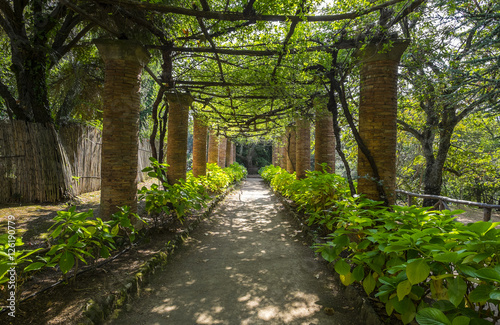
x: 40, y: 164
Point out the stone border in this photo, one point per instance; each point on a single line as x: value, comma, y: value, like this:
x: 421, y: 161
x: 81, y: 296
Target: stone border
x: 97, y: 311
x: 356, y: 299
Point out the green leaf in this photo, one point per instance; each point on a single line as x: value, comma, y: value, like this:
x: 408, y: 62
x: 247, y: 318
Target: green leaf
x: 461, y: 320
x: 495, y: 294
x: 329, y: 254
x: 480, y: 227
x: 457, y: 288
x: 408, y: 317
x: 488, y: 274
x: 358, y: 273
x: 34, y: 266
x: 104, y: 252
x: 56, y: 232
x: 446, y: 257
x: 432, y: 316
x: 115, y: 230
x: 369, y: 283
x: 66, y: 262
x: 342, y: 267
x: 417, y: 271
x: 403, y: 289
x: 481, y: 293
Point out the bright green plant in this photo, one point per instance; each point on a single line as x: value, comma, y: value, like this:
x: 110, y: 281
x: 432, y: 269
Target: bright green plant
x: 123, y: 219
x: 278, y: 178
x: 236, y: 172
x: 79, y: 236
x: 11, y: 256
x: 423, y: 265
x: 410, y: 255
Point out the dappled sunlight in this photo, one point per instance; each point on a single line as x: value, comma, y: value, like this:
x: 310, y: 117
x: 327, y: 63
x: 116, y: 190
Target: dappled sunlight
x: 248, y: 265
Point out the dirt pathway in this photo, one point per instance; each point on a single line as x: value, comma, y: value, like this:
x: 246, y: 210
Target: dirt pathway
x: 245, y: 265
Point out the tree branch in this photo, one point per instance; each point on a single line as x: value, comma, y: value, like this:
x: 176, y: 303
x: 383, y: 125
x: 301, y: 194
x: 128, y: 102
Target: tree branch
x: 235, y: 16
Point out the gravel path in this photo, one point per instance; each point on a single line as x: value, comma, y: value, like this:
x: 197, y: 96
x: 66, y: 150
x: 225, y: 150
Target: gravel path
x: 245, y: 265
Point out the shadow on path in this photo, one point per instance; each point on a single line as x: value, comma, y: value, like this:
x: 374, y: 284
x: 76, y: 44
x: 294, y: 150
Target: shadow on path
x: 244, y: 265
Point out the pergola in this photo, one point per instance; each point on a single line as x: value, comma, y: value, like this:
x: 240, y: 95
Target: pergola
x: 261, y: 82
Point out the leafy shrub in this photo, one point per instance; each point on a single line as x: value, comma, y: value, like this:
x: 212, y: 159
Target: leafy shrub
x: 77, y: 236
x: 279, y: 179
x: 406, y: 254
x: 236, y: 172
x: 421, y: 264
x: 192, y: 193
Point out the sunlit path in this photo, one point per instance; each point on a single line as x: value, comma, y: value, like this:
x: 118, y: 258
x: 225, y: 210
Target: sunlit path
x: 246, y: 265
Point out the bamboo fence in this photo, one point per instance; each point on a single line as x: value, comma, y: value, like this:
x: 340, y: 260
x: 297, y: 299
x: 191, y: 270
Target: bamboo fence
x: 33, y: 169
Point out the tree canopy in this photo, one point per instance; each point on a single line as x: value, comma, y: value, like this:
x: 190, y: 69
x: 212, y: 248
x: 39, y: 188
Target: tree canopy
x: 253, y: 66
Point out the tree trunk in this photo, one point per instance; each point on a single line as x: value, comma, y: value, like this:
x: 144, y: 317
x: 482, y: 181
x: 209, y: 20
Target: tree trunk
x: 29, y: 67
x: 434, y: 165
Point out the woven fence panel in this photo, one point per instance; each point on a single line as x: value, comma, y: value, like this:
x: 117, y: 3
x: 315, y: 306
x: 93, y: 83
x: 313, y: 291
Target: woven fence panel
x: 38, y: 164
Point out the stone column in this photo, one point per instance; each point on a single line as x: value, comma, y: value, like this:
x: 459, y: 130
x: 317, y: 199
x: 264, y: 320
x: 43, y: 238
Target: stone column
x: 200, y: 132
x: 324, y: 146
x: 377, y: 118
x: 213, y: 148
x: 291, y: 150
x: 124, y: 61
x: 303, y: 148
x: 229, y: 153
x: 222, y: 152
x: 177, y: 136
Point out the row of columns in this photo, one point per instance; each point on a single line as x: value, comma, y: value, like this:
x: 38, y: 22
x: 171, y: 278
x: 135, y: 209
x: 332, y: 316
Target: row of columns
x: 293, y: 153
x: 377, y: 128
x: 124, y: 61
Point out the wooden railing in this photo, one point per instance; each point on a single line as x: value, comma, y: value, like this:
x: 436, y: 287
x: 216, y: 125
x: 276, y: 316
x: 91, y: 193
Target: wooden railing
x: 443, y: 200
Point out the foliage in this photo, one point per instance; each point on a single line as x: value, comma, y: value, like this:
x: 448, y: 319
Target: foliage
x: 421, y: 264
x: 12, y: 256
x: 77, y: 237
x: 278, y: 178
x: 404, y: 254
x: 192, y: 193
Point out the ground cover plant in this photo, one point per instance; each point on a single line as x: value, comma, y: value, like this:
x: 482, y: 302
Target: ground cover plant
x: 421, y: 264
x: 80, y: 237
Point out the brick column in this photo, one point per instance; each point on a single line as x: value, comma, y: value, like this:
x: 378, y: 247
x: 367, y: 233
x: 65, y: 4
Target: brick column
x: 275, y: 154
x: 233, y: 157
x: 377, y: 118
x: 291, y: 150
x: 229, y: 153
x: 222, y: 152
x: 283, y: 154
x: 177, y: 136
x: 200, y: 131
x: 303, y: 159
x: 324, y: 146
x: 213, y: 148
x: 124, y: 61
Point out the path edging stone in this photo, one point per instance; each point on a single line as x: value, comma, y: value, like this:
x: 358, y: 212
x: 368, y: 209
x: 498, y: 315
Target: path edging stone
x: 367, y: 313
x: 97, y: 311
